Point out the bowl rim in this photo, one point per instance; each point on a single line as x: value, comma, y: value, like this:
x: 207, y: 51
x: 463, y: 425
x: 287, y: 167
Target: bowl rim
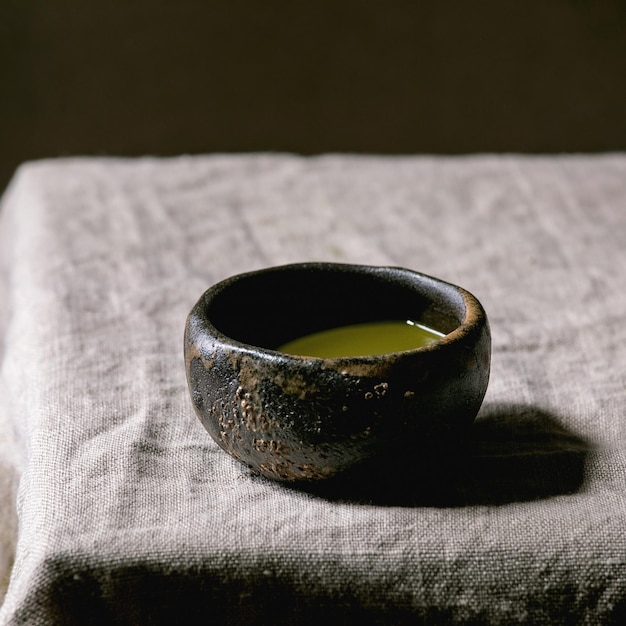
x: 474, y: 320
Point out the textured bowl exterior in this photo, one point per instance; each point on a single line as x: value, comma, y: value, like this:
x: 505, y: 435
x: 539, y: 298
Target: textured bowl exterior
x: 294, y: 418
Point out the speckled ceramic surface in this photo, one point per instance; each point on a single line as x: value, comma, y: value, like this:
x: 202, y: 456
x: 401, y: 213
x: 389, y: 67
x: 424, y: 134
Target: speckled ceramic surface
x: 296, y: 418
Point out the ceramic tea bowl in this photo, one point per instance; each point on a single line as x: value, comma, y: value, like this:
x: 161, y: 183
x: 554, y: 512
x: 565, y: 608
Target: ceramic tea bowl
x: 300, y: 418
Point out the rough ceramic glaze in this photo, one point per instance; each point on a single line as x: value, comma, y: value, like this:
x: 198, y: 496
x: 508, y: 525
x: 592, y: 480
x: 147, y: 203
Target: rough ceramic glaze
x: 295, y: 418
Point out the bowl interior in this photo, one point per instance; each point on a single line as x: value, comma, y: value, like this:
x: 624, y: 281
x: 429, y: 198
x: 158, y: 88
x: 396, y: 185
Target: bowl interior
x: 270, y: 307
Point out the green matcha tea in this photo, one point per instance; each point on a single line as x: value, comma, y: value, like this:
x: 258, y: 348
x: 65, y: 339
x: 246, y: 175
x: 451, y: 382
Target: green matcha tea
x: 363, y: 339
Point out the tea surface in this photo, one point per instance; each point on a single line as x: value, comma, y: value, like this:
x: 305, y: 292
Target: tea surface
x: 363, y: 339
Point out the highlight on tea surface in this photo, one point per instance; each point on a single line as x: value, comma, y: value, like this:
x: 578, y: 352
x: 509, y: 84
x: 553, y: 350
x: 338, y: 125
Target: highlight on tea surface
x: 364, y: 339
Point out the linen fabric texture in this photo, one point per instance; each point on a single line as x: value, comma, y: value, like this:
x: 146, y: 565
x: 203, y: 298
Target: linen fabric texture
x: 130, y: 514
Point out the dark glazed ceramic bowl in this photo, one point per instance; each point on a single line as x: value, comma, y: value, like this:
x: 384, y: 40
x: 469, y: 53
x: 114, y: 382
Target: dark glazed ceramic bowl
x: 296, y: 418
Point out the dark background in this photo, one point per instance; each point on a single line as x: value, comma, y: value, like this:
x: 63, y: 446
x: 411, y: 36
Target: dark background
x: 134, y: 77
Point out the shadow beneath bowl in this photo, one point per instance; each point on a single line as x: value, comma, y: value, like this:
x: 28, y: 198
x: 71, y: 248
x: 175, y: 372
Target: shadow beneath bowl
x: 512, y: 453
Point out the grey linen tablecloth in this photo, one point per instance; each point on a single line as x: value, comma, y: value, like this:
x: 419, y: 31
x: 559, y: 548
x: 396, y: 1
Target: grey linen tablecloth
x: 130, y: 514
